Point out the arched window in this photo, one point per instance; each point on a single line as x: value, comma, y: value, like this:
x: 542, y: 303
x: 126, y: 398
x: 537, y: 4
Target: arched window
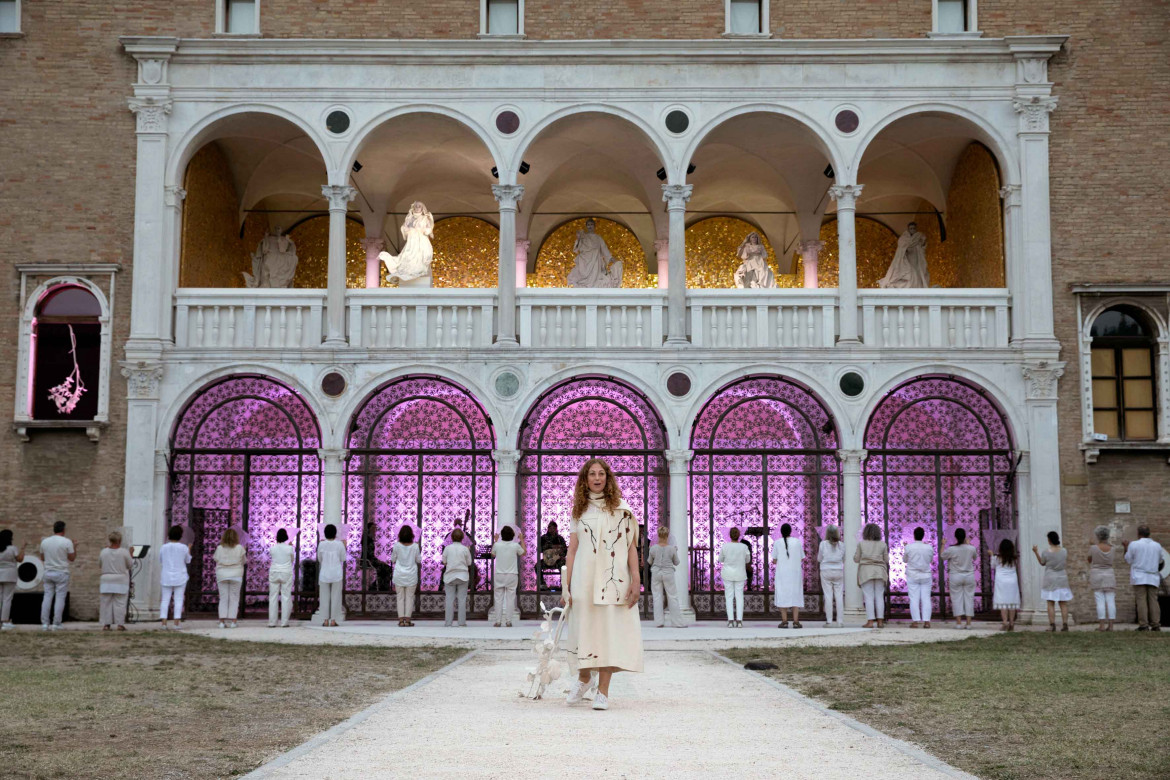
x: 1123, y: 375
x: 66, y: 338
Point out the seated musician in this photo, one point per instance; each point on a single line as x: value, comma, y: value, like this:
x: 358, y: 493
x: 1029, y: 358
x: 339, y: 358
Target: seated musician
x: 551, y: 552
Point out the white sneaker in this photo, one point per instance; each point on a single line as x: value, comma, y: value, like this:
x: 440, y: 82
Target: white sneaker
x: 222, y: 624
x: 55, y: 627
x: 7, y: 627
x: 44, y: 626
x: 579, y: 689
x: 600, y: 702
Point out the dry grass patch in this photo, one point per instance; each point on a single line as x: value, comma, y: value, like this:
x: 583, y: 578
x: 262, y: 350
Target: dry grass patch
x: 1024, y: 705
x: 159, y: 705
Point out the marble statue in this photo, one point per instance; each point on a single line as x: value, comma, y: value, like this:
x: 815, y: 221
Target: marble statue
x: 417, y: 253
x: 908, y: 268
x: 753, y: 273
x: 274, y: 263
x: 594, y: 265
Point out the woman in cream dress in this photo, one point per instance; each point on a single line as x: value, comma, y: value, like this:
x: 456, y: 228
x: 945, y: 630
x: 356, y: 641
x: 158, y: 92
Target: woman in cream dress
x: 603, y: 584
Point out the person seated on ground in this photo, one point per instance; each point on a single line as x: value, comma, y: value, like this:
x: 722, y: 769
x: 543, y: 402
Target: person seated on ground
x: 552, y: 550
x: 507, y: 574
x: 370, y: 556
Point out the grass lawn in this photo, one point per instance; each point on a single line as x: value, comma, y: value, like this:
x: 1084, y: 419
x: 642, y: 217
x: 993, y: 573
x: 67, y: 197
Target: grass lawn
x: 1023, y: 705
x: 169, y: 705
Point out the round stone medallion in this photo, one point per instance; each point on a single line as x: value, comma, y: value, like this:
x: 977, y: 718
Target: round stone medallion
x: 852, y: 384
x: 333, y: 384
x: 677, y: 122
x: 678, y: 384
x: 337, y: 122
x: 507, y: 384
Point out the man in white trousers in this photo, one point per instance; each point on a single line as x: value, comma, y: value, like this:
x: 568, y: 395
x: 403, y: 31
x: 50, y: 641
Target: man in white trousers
x: 58, y: 552
x: 919, y: 556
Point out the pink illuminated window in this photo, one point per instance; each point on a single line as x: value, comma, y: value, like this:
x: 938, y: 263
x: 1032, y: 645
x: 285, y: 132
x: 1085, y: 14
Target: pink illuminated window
x: 66, y: 356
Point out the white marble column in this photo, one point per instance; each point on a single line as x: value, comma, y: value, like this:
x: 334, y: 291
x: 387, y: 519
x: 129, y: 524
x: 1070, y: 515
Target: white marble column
x: 680, y: 526
x: 373, y: 247
x: 151, y: 249
x: 676, y: 197
x: 169, y: 275
x: 143, y: 508
x: 1040, y: 383
x: 1013, y: 253
x: 851, y: 461
x: 810, y: 252
x: 508, y: 196
x: 507, y: 492
x: 332, y: 494
x: 662, y: 252
x: 1034, y: 223
x: 846, y: 196
x: 522, y: 246
x: 338, y: 196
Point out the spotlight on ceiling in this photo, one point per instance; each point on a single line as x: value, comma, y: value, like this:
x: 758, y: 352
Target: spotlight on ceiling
x: 690, y: 169
x: 661, y: 174
x: 357, y: 166
x: 829, y: 172
x: 524, y: 167
x: 495, y: 173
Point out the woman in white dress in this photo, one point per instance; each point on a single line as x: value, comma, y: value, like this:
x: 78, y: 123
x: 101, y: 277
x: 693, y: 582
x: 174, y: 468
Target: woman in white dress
x: 417, y: 253
x: 1006, y: 595
x: 789, y: 557
x: 603, y: 584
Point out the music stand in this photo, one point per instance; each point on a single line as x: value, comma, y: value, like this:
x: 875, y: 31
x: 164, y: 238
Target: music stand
x: 137, y: 553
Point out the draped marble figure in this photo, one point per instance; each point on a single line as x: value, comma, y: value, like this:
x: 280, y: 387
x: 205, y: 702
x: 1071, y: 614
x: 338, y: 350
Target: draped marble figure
x: 417, y: 253
x: 908, y: 268
x: 274, y: 263
x: 753, y: 273
x: 594, y: 265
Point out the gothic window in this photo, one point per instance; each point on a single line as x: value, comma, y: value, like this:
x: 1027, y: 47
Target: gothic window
x: 1122, y: 360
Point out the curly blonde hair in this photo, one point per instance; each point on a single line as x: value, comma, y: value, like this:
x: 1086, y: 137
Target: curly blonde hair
x: 612, y: 493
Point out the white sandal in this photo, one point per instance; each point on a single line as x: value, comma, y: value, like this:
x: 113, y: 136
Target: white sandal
x: 580, y: 689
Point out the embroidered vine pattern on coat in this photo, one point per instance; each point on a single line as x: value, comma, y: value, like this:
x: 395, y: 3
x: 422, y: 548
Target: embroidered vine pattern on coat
x: 614, y: 535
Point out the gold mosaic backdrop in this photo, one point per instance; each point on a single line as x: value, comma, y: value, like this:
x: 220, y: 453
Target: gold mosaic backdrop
x: 555, y: 259
x: 972, y: 255
x: 467, y: 253
x: 711, y: 254
x: 212, y: 252
x: 312, y: 241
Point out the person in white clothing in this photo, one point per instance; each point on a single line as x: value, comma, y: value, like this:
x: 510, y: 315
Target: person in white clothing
x: 507, y: 554
x: 733, y: 571
x: 57, y: 551
x: 173, y: 559
x: 114, y: 586
x: 405, y: 556
x: 831, y: 558
x: 789, y: 556
x: 9, y: 558
x: 918, y: 556
x: 280, y: 580
x: 456, y: 575
x: 1146, y: 561
x: 331, y: 557
x: 960, y: 558
x: 229, y: 576
x: 662, y: 559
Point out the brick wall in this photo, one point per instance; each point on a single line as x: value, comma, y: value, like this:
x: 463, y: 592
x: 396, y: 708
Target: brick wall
x: 67, y: 180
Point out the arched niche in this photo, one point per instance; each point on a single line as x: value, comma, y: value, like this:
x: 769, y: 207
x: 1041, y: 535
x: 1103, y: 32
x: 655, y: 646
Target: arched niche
x: 554, y: 260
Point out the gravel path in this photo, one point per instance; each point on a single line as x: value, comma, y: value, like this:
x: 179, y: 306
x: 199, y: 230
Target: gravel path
x: 691, y: 714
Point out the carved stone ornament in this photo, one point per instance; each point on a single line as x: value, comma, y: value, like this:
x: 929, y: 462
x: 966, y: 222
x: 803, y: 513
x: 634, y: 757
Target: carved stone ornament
x: 679, y: 460
x: 1034, y: 111
x: 846, y: 195
x: 1040, y: 380
x: 175, y: 195
x: 810, y: 248
x: 1010, y: 194
x: 508, y: 195
x: 150, y: 71
x: 852, y: 459
x: 151, y: 112
x: 1033, y: 70
x: 338, y: 196
x: 675, y: 196
x: 142, y: 379
x: 507, y: 460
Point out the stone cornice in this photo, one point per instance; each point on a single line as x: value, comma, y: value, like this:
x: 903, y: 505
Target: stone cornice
x: 717, y: 51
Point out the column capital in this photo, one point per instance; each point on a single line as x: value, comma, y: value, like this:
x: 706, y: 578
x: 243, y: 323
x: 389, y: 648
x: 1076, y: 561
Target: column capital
x: 332, y: 459
x: 676, y: 196
x: 152, y: 113
x: 1034, y: 111
x: 846, y: 195
x: 507, y: 460
x: 143, y: 379
x: 161, y: 464
x: 523, y: 244
x: 174, y: 195
x: 662, y: 244
x: 812, y: 247
x: 374, y: 245
x: 508, y: 195
x: 338, y: 196
x: 1010, y: 194
x: 852, y: 459
x: 679, y: 460
x: 1040, y: 380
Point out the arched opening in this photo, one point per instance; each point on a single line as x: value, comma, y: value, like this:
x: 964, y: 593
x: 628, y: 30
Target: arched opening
x: 581, y: 418
x: 938, y: 171
x: 420, y: 454
x: 1122, y: 359
x: 592, y: 164
x: 244, y: 455
x: 940, y: 458
x: 769, y: 170
x: 66, y: 354
x: 254, y: 174
x: 876, y: 244
x: 467, y: 253
x: 554, y: 261
x: 765, y: 454
x: 712, y: 254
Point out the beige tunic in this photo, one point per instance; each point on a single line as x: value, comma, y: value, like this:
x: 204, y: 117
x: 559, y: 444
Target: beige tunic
x: 1101, y: 576
x: 871, y: 559
x: 603, y: 631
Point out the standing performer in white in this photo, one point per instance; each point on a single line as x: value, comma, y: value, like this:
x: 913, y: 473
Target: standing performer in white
x: 663, y: 558
x: 602, y: 584
x: 173, y: 557
x: 789, y: 556
x: 733, y: 572
x: 417, y: 253
x: 961, y: 577
x: 918, y: 556
x: 831, y: 557
x: 280, y: 580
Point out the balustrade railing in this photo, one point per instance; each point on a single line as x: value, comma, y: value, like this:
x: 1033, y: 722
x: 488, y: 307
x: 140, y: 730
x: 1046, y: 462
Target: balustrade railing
x: 421, y: 319
x: 925, y: 319
x: 782, y: 319
x: 256, y: 319
x: 591, y: 318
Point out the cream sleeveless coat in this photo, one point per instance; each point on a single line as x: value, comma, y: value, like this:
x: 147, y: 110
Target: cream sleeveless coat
x: 603, y: 631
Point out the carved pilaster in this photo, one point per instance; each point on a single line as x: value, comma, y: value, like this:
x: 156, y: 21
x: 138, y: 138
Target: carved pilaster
x: 142, y: 379
x: 1034, y: 111
x: 1040, y: 380
x: 152, y: 113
